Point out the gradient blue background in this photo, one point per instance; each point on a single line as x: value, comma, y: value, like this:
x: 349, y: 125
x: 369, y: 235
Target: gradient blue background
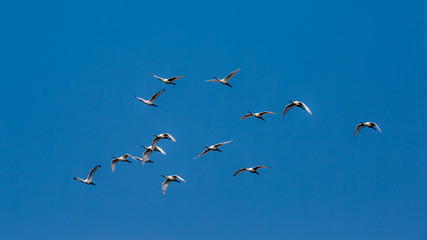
x: 69, y: 72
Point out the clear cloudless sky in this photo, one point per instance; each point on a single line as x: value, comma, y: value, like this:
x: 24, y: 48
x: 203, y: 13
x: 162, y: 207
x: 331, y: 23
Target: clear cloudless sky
x: 70, y: 70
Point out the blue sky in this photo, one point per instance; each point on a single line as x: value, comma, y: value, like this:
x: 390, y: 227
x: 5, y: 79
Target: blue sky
x: 70, y: 71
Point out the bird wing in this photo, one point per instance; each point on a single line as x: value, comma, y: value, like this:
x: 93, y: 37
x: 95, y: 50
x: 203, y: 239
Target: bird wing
x: 266, y: 112
x: 160, y: 150
x: 223, y: 143
x: 378, y: 128
x: 125, y: 156
x: 246, y: 116
x: 203, y: 153
x: 240, y: 170
x: 306, y: 108
x: 113, y: 164
x: 92, y: 172
x: 180, y: 178
x: 226, y: 79
x: 146, y: 156
x: 155, y: 141
x: 171, y: 137
x: 174, y: 78
x: 165, y: 185
x: 287, y: 108
x: 160, y: 78
x: 360, y: 126
x: 155, y: 96
x: 258, y: 167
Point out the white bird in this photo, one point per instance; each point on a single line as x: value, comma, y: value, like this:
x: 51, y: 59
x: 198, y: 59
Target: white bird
x: 158, y: 149
x: 226, y: 79
x: 252, y: 170
x: 161, y: 136
x: 147, y: 154
x: 169, y: 179
x: 167, y: 80
x: 88, y: 180
x: 150, y: 101
x: 366, y: 124
x: 214, y: 147
x: 296, y: 104
x: 119, y: 159
x: 257, y: 115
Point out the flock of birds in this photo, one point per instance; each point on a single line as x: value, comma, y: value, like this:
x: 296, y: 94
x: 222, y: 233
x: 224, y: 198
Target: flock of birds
x: 145, y: 158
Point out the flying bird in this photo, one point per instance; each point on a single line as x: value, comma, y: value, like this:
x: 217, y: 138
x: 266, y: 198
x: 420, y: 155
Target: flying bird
x: 257, y: 115
x: 88, y: 180
x: 169, y: 179
x: 252, y: 170
x: 226, y: 79
x: 150, y: 101
x: 366, y: 124
x: 161, y: 136
x: 147, y: 154
x: 295, y: 104
x: 158, y: 149
x: 167, y: 80
x: 119, y: 159
x: 212, y: 148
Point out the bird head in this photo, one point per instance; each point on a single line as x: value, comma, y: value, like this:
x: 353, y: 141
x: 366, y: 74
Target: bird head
x: 144, y: 147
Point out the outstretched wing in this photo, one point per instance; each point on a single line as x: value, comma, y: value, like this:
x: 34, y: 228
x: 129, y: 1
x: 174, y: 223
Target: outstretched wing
x: 240, y: 170
x: 266, y: 112
x: 376, y: 125
x: 160, y: 78
x: 226, y: 79
x: 287, y: 108
x: 203, y: 153
x: 165, y: 185
x: 223, y: 143
x: 154, y: 143
x: 306, y: 108
x: 155, y: 96
x: 180, y: 178
x: 92, y: 172
x: 360, y: 126
x: 146, y: 156
x: 160, y: 150
x: 171, y: 137
x: 113, y: 164
x: 174, y: 78
x: 246, y: 116
x: 258, y: 167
